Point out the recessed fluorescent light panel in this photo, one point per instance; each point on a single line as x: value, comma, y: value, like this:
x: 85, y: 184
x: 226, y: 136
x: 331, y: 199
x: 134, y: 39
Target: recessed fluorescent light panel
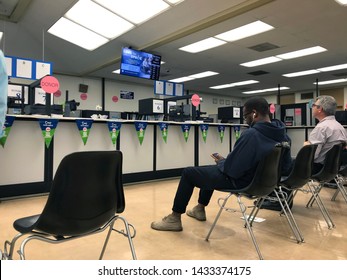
x: 331, y: 82
x: 302, y: 52
x: 105, y: 18
x: 77, y: 34
x: 264, y: 90
x: 315, y: 71
x: 181, y: 80
x: 98, y: 19
x: 194, y: 76
x: 301, y: 73
x: 203, y: 45
x: 221, y: 86
x: 280, y: 57
x: 262, y: 61
x: 342, y: 2
x: 1, y: 35
x: 247, y: 30
x: 203, y: 75
x: 116, y: 71
x: 175, y: 2
x: 236, y: 84
x: 333, y: 68
x: 135, y: 11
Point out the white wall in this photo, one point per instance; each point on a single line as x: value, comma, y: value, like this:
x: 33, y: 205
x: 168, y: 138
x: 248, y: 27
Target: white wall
x: 210, y: 102
x: 113, y: 88
x: 71, y: 84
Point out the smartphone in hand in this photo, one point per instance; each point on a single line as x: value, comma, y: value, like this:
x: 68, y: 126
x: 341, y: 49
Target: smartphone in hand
x: 217, y: 156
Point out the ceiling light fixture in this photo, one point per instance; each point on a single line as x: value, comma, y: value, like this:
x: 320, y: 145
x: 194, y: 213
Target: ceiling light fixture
x: 262, y: 61
x: 245, y: 31
x: 77, y: 34
x: 302, y: 52
x: 342, y: 2
x: 265, y: 90
x: 315, y: 71
x: 290, y: 55
x: 174, y: 2
x: 105, y: 18
x: 333, y: 68
x: 203, y: 75
x: 98, y: 19
x: 182, y: 79
x: 301, y: 73
x: 236, y: 84
x: 328, y: 82
x: 203, y: 45
x: 135, y: 11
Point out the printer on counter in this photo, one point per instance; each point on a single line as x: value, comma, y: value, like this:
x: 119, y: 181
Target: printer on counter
x: 40, y: 109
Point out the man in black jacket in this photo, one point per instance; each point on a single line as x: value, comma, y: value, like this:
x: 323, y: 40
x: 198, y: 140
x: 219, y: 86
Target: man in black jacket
x: 234, y: 171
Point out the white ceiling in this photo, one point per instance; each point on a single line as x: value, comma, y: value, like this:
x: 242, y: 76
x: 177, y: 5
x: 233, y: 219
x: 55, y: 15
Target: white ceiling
x: 298, y: 24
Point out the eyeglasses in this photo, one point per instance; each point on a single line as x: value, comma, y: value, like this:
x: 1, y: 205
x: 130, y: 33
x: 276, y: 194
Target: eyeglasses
x: 315, y: 105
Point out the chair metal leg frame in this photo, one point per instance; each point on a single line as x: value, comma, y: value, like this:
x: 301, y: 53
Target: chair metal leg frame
x: 282, y: 199
x: 315, y: 197
x: 127, y: 234
x: 48, y: 238
x: 255, y: 210
x: 243, y: 209
x: 8, y: 253
x: 340, y: 180
x: 221, y: 208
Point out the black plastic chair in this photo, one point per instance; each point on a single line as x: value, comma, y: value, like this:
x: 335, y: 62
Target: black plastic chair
x: 264, y: 182
x: 86, y: 198
x: 328, y: 173
x: 299, y: 176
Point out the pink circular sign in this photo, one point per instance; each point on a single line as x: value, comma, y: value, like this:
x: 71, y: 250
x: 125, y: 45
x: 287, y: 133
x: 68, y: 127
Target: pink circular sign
x: 272, y: 108
x: 115, y: 99
x: 49, y: 84
x: 84, y: 96
x: 195, y: 100
x: 57, y: 93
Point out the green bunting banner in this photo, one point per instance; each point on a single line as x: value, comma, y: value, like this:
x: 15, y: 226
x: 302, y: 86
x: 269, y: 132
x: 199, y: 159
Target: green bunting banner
x: 204, y: 129
x: 237, y: 131
x: 114, y: 129
x: 164, y: 130
x: 185, y: 129
x: 221, y: 130
x: 84, y: 127
x: 140, y: 129
x: 6, y: 129
x: 48, y: 127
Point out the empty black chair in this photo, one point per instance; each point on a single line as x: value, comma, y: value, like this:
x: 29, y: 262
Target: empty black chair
x: 328, y: 173
x: 299, y: 176
x: 264, y: 182
x: 86, y: 198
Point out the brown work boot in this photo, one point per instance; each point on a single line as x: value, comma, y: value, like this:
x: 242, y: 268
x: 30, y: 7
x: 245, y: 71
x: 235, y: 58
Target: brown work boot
x: 197, y: 213
x: 169, y: 223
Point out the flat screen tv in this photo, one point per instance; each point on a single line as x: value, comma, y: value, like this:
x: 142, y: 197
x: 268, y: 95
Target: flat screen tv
x: 140, y: 64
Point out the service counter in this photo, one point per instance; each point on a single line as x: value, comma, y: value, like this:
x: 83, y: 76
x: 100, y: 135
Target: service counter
x: 28, y: 165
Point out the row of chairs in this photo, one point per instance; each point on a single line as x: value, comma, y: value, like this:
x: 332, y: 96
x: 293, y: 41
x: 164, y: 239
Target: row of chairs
x: 267, y: 180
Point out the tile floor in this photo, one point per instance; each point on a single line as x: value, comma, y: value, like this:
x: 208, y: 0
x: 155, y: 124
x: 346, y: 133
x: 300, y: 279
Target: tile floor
x: 150, y: 201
